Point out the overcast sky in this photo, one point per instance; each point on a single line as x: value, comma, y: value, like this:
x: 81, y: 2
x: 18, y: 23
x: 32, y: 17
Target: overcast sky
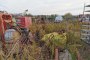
x: 38, y: 7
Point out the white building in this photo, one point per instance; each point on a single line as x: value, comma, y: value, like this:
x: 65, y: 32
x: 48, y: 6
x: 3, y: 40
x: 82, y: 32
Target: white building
x: 58, y: 19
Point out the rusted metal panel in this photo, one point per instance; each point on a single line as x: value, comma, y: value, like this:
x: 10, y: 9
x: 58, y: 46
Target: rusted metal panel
x: 24, y: 22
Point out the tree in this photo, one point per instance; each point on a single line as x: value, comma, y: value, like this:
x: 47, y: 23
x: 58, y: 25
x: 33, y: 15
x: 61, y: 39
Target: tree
x: 68, y: 16
x: 52, y: 17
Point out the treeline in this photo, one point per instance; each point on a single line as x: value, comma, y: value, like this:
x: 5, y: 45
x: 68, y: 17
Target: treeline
x: 51, y: 18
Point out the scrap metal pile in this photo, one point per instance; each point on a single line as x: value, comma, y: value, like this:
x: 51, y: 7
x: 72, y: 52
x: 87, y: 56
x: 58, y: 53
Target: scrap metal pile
x: 14, y: 39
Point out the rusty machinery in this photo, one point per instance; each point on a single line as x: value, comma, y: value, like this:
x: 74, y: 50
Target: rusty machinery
x: 22, y: 27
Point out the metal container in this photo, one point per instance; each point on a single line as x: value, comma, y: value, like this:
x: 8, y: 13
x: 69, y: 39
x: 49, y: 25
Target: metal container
x: 24, y: 22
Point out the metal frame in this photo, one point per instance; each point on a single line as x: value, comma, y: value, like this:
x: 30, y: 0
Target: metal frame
x: 87, y: 25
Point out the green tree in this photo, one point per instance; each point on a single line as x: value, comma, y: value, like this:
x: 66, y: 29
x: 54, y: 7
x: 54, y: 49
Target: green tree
x: 68, y: 16
x: 52, y: 17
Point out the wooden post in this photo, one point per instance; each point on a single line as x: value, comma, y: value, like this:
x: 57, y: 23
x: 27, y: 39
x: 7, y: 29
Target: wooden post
x: 78, y: 56
x: 56, y: 54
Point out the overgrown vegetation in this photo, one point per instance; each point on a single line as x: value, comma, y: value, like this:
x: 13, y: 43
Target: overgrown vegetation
x: 73, y: 34
x: 39, y: 51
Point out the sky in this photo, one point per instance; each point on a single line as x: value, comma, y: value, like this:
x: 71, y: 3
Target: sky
x: 44, y: 7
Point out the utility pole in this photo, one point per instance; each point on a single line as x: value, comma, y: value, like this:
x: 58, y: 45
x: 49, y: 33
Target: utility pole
x: 83, y: 9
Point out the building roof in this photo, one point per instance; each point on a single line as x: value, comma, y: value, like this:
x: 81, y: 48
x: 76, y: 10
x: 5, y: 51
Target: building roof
x: 59, y: 18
